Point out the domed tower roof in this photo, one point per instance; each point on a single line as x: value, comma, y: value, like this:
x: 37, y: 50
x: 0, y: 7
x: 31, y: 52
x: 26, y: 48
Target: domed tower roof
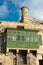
x: 24, y: 7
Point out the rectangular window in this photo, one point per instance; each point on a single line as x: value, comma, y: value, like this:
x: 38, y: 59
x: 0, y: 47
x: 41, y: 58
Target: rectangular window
x: 20, y: 27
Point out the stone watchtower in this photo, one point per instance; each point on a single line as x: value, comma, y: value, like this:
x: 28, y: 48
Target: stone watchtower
x: 25, y: 16
x: 24, y: 13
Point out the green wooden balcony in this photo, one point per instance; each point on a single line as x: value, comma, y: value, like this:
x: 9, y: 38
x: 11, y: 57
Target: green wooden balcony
x: 23, y: 39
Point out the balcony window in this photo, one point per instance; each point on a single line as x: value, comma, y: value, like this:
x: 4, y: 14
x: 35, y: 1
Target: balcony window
x: 27, y: 38
x: 31, y: 39
x: 23, y: 38
x: 18, y: 37
x: 35, y: 39
x: 14, y: 38
x: 18, y: 32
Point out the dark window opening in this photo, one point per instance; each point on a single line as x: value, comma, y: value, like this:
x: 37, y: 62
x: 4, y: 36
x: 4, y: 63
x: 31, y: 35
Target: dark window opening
x: 0, y: 63
x: 34, y: 52
x: 13, y: 51
x: 42, y: 56
x: 4, y: 41
x: 0, y: 41
x: 40, y: 62
x: 23, y: 55
x: 20, y: 27
x: 0, y: 22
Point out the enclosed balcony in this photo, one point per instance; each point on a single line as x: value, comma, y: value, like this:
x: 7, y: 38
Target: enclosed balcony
x: 23, y: 39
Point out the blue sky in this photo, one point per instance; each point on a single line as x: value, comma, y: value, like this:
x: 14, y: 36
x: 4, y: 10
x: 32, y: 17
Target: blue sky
x: 10, y: 9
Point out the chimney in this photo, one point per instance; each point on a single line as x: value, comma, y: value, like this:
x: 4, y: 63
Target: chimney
x: 24, y: 10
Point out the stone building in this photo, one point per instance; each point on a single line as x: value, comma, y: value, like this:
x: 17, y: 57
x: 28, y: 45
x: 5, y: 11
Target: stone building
x: 21, y: 43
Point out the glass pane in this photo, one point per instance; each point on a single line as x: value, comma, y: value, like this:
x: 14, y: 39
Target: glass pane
x: 14, y: 32
x: 18, y: 37
x: 31, y: 39
x: 23, y: 38
x: 14, y: 38
x: 22, y: 33
x: 18, y: 32
x: 35, y: 39
x: 39, y: 39
x: 9, y: 31
x: 9, y: 38
x: 27, y: 38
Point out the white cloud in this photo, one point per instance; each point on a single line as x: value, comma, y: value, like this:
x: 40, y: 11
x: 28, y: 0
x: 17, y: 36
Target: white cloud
x: 33, y: 3
x: 36, y: 2
x: 38, y: 14
x: 3, y: 10
x: 36, y: 8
